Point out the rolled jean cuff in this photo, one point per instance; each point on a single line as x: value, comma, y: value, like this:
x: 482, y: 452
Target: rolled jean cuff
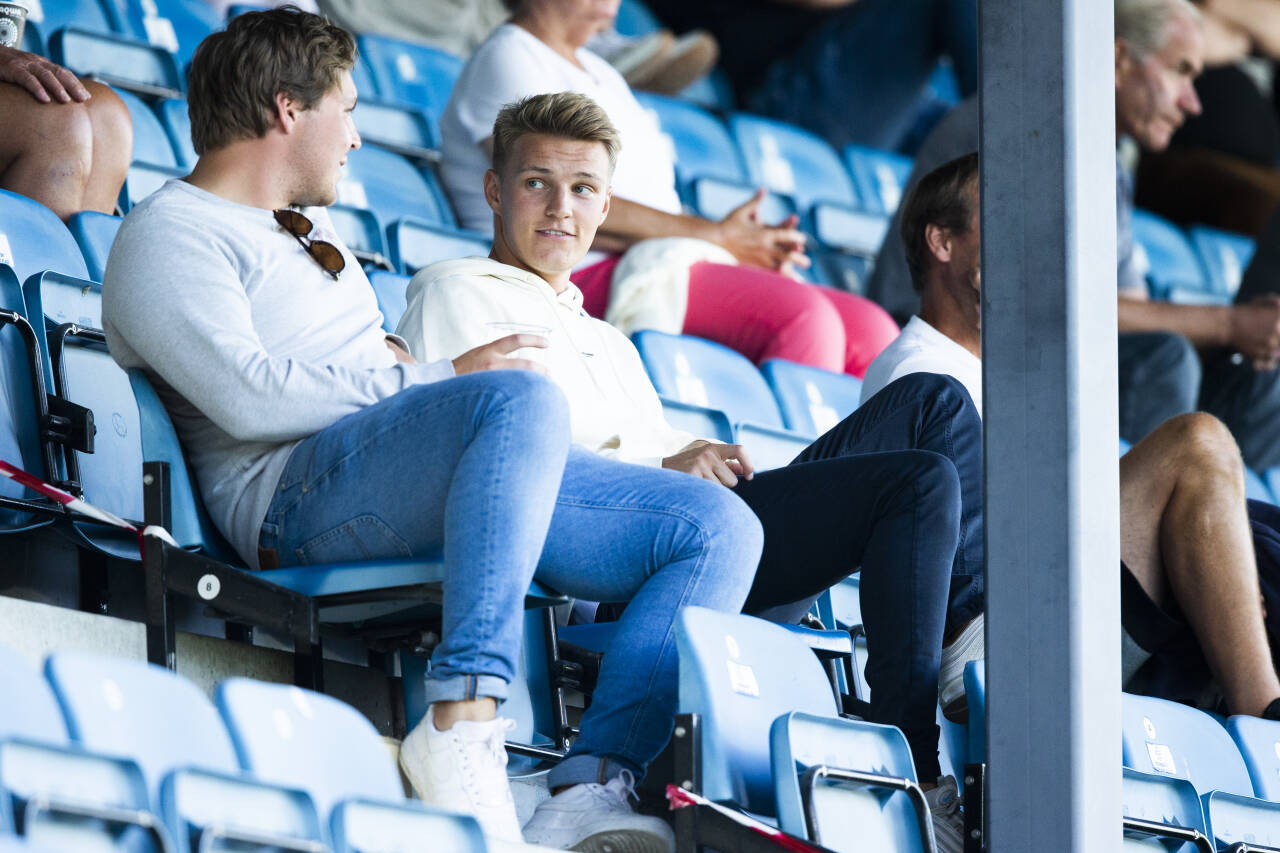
x: 577, y: 769
x: 460, y: 688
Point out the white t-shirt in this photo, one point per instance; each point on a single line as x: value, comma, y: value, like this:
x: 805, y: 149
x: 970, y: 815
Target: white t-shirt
x: 923, y: 349
x: 513, y: 64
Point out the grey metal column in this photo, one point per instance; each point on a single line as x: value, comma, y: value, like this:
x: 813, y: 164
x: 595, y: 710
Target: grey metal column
x: 1049, y: 354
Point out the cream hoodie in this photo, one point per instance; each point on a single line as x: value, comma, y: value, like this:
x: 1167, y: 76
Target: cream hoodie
x: 457, y: 305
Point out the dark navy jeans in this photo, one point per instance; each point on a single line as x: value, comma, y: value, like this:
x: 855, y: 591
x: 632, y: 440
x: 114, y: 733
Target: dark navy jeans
x: 894, y: 491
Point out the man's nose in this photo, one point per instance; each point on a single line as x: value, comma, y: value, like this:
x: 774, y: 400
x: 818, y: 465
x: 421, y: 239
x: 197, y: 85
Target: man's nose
x: 558, y: 202
x: 1190, y: 101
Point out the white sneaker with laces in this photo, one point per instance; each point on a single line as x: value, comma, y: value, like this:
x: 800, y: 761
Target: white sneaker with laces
x: 948, y: 822
x: 463, y: 770
x: 598, y: 819
x: 970, y: 645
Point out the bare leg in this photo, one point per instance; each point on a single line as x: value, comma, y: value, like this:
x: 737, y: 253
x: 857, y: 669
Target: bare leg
x: 112, y: 148
x: 1185, y: 536
x: 447, y: 713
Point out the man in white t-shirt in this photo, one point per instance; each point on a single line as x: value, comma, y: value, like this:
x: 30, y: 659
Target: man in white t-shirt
x: 1189, y: 584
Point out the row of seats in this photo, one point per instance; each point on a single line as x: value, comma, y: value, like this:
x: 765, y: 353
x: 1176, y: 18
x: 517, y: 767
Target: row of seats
x: 1199, y: 266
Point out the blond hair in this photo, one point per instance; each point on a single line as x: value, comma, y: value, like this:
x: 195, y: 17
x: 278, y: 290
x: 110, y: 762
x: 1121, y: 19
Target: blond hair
x: 567, y: 115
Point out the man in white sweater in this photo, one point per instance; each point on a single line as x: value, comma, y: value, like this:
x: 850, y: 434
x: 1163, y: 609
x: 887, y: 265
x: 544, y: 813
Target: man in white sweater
x: 1189, y: 579
x: 844, y: 508
x: 317, y: 438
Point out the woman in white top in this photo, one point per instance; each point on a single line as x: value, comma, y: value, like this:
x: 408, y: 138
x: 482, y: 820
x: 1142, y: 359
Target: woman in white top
x: 738, y: 287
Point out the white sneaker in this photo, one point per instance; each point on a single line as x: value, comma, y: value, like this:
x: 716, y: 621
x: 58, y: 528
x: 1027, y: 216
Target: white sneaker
x: 463, y: 770
x: 948, y: 822
x: 598, y: 819
x: 970, y: 645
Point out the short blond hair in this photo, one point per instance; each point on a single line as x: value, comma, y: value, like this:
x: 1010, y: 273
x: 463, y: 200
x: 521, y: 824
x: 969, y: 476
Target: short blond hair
x: 567, y: 115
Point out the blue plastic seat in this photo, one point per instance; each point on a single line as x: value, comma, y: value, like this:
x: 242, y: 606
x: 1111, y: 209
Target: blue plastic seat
x: 33, y: 239
x: 44, y: 19
x: 766, y: 717
x: 790, y: 160
x: 150, y: 141
x: 701, y: 142
x: 94, y: 232
x: 129, y: 708
x: 812, y: 400
x: 122, y: 62
x: 142, y: 180
x: 770, y: 448
x: 1169, y: 739
x: 416, y: 244
x: 635, y: 19
x: 704, y: 373
x: 362, y: 233
x: 1225, y: 256
x: 396, y: 127
x: 389, y: 288
x: 698, y: 420
x: 177, y: 126
x: 715, y: 198
x: 1174, y: 265
x: 21, y: 393
x: 1259, y: 744
x: 843, y: 270
x: 852, y: 231
x: 975, y: 692
x: 410, y: 74
x: 1160, y: 800
x: 1257, y: 488
x: 300, y: 739
x: 177, y: 26
x: 391, y: 187
x: 879, y: 176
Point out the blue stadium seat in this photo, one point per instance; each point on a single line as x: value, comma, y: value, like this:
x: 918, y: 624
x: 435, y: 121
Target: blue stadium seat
x: 812, y: 400
x: 635, y: 19
x: 389, y: 288
x: 22, y: 393
x: 697, y: 420
x: 94, y: 232
x: 851, y: 231
x: 299, y: 739
x: 1174, y: 267
x: 177, y: 126
x: 176, y: 26
x: 842, y: 270
x: 715, y: 198
x: 44, y: 19
x: 880, y: 177
x: 765, y: 716
x: 362, y: 233
x: 1225, y: 256
x: 975, y: 692
x: 406, y: 130
x: 702, y: 145
x: 707, y: 374
x: 790, y: 160
x: 1257, y: 488
x: 122, y: 62
x: 1259, y: 744
x: 1165, y: 801
x: 391, y: 187
x: 770, y: 448
x: 128, y: 708
x: 150, y: 141
x: 415, y: 244
x: 1169, y: 739
x: 410, y: 74
x: 33, y: 239
x: 57, y: 793
x: 142, y: 180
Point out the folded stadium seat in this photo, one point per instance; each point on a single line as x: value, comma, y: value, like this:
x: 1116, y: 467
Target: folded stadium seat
x: 1259, y: 744
x: 1169, y: 739
x: 153, y: 160
x: 44, y: 19
x: 791, y: 160
x: 94, y: 232
x: 1225, y: 256
x: 55, y: 793
x: 811, y: 400
x: 177, y: 126
x: 757, y: 721
x: 703, y: 373
x: 880, y: 176
x: 411, y: 74
x: 1175, y: 272
x: 389, y: 288
x: 170, y: 729
x: 713, y: 197
x: 842, y: 270
x: 123, y: 62
x: 33, y: 239
x: 296, y: 738
x: 177, y: 26
x: 415, y: 244
x: 391, y: 187
x: 701, y: 145
x: 363, y: 234
x: 700, y: 421
x: 404, y: 130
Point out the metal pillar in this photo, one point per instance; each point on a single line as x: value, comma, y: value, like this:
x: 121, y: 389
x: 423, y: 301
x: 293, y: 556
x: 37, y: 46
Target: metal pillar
x: 1052, y: 494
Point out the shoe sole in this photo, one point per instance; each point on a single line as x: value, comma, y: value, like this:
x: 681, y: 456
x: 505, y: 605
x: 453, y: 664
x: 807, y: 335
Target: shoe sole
x: 622, y: 841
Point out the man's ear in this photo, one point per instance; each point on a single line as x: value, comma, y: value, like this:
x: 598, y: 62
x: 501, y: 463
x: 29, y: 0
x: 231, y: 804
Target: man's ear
x: 287, y: 110
x: 938, y: 239
x: 1124, y: 59
x: 608, y: 200
x: 493, y: 191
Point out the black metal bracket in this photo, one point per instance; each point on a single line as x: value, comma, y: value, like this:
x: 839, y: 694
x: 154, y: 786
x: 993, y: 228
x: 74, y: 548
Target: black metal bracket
x: 975, y: 798
x: 68, y: 424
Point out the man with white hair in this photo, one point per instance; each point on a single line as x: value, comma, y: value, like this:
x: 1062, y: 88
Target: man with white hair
x: 1159, y: 48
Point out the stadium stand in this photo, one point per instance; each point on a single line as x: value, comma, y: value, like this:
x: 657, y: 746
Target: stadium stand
x: 122, y: 62
x: 389, y: 185
x: 416, y: 244
x: 409, y: 74
x: 812, y: 401
x: 1175, y: 271
x: 177, y: 125
x: 1224, y: 255
x: 94, y: 233
x: 880, y: 176
x: 33, y: 240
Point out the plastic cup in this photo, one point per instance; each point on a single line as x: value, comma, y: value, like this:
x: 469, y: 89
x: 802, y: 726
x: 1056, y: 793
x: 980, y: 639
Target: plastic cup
x: 13, y: 20
x: 534, y: 354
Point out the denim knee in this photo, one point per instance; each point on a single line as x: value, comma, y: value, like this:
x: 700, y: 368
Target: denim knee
x: 530, y: 397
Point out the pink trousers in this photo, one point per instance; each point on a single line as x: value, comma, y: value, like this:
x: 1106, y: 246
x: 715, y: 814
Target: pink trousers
x: 764, y: 315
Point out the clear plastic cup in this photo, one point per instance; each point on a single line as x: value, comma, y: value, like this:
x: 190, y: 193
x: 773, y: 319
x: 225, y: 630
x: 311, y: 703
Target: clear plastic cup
x: 13, y: 20
x: 501, y: 329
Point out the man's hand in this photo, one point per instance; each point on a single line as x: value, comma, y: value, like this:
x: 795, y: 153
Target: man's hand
x: 495, y: 355
x: 1255, y: 330
x: 401, y: 355
x: 719, y: 463
x: 779, y: 247
x: 45, y: 81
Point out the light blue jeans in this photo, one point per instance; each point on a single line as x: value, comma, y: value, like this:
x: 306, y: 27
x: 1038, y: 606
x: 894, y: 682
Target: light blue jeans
x: 480, y: 466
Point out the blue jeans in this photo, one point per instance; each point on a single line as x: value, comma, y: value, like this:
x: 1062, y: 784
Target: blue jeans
x: 895, y: 489
x: 859, y: 76
x: 480, y: 466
